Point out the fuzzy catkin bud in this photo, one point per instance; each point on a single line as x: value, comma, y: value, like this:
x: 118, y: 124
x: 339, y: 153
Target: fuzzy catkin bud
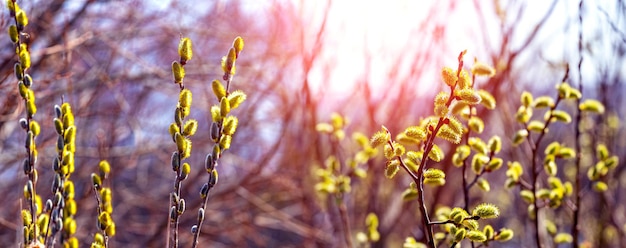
x: 225, y: 142
x: 213, y: 178
x: 236, y: 98
x: 238, y: 44
x: 224, y: 107
x: 184, y: 50
x: 185, y: 98
x: 230, y: 125
x: 96, y: 181
x: 486, y: 211
x: 436, y: 154
x: 178, y: 71
x: 22, y: 19
x: 449, y: 76
x: 25, y: 59
x: 13, y: 34
x: 190, y: 128
x: 218, y: 89
x: 186, y: 169
x: 204, y: 191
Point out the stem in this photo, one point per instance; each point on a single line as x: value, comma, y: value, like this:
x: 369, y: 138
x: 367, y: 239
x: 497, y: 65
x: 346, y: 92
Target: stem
x: 575, y: 231
x: 343, y: 212
x: 200, y: 221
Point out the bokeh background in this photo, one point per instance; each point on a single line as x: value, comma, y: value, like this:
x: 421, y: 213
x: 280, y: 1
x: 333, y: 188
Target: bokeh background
x: 376, y: 62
